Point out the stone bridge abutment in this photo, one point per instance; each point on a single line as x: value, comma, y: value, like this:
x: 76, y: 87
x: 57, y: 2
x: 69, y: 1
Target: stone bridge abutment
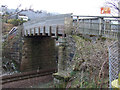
x: 38, y: 52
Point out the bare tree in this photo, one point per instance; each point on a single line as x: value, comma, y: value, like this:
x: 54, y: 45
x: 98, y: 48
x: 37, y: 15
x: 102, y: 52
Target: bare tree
x: 114, y: 5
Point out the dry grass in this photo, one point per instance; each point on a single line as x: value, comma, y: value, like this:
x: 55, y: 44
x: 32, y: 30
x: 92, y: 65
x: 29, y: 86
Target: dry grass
x: 6, y: 28
x: 92, y: 59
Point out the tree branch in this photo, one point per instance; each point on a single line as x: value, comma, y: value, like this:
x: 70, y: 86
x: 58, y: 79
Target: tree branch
x: 113, y: 4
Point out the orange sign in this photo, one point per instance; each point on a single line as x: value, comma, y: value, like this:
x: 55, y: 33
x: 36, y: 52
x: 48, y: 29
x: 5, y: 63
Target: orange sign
x: 105, y: 10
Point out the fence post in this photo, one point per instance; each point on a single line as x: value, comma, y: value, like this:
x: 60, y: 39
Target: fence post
x: 100, y: 25
x: 90, y: 26
x: 83, y: 26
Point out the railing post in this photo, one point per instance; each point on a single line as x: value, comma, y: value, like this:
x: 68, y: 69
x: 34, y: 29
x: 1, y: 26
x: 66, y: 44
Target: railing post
x: 26, y: 33
x: 100, y: 26
x: 38, y: 30
x: 50, y: 31
x: 77, y: 18
x: 90, y: 26
x: 56, y: 32
x: 83, y: 26
x: 30, y: 32
x: 34, y: 31
x: 77, y: 24
x: 43, y: 30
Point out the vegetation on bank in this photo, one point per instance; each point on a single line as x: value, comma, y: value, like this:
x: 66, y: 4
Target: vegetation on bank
x: 16, y: 22
x: 90, y: 64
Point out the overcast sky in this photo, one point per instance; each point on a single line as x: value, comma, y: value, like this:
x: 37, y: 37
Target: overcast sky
x: 77, y: 7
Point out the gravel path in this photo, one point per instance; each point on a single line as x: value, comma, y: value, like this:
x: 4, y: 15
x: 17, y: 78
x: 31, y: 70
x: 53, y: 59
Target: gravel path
x: 29, y: 83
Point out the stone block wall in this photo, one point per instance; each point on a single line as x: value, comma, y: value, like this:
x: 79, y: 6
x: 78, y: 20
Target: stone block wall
x: 66, y: 52
x: 11, y: 49
x: 38, y: 53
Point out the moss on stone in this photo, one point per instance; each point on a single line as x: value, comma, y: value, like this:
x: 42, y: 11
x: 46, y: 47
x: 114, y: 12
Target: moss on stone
x: 63, y: 77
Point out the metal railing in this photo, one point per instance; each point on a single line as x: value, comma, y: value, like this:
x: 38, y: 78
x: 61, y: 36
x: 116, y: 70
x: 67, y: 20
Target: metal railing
x: 105, y: 27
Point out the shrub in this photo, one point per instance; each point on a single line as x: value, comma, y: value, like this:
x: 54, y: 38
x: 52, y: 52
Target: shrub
x: 16, y: 22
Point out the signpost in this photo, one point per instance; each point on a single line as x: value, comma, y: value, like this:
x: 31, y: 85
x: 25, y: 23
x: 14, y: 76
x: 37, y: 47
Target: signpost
x: 105, y: 10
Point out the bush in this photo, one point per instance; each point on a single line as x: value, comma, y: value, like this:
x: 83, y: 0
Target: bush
x: 16, y: 22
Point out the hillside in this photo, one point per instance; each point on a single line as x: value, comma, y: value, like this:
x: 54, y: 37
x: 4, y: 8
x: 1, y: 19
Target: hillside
x: 6, y: 28
x: 32, y: 14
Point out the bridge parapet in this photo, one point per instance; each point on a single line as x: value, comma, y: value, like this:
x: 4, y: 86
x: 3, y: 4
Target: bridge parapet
x: 51, y: 26
x: 60, y: 25
x: 105, y: 26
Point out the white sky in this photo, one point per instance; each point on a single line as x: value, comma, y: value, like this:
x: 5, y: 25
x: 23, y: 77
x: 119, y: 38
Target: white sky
x: 77, y: 7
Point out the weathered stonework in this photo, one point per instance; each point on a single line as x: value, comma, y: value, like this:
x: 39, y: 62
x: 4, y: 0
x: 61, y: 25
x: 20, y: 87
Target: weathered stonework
x: 66, y: 53
x: 12, y: 51
x: 38, y: 53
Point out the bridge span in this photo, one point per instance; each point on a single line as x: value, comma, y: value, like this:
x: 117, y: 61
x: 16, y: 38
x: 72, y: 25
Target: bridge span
x: 53, y: 26
x: 40, y: 37
x: 60, y: 25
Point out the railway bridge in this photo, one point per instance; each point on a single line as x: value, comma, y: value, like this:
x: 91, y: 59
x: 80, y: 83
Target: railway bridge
x: 44, y: 39
x: 41, y: 38
x: 41, y: 35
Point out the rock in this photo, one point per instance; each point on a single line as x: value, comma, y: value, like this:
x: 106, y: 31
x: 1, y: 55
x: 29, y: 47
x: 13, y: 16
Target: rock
x: 62, y: 76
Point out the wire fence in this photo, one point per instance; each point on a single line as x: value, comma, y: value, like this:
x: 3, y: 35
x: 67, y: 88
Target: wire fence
x: 113, y: 62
